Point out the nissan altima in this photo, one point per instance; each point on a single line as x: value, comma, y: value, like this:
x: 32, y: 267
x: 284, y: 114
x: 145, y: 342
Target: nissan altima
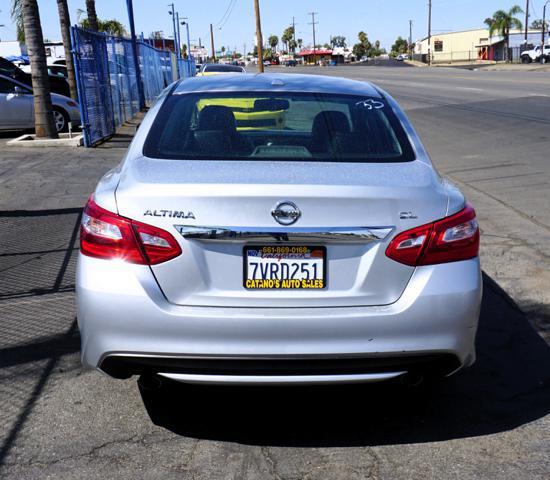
x: 329, y: 250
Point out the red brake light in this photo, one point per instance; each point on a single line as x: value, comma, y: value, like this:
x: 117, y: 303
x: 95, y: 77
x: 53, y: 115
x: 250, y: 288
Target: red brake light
x: 105, y: 234
x: 447, y: 240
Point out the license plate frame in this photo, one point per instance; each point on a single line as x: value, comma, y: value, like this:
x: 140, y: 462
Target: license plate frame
x: 294, y: 249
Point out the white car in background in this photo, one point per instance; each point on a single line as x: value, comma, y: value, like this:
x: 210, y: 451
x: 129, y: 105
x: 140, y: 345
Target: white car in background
x: 536, y: 54
x: 17, y: 107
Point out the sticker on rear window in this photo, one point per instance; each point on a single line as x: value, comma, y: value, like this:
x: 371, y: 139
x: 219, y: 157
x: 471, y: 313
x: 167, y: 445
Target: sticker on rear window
x: 370, y: 104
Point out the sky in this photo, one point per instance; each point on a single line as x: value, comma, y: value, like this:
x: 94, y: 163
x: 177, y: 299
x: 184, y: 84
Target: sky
x: 234, y: 23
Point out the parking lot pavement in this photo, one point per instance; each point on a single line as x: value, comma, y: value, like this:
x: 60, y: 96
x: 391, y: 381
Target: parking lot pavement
x: 490, y: 421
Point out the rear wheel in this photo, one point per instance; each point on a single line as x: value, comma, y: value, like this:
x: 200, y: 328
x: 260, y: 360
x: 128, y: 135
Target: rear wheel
x: 543, y: 59
x: 61, y: 120
x: 525, y: 59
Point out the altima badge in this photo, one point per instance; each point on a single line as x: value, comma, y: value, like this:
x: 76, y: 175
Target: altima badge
x: 169, y: 213
x: 286, y: 213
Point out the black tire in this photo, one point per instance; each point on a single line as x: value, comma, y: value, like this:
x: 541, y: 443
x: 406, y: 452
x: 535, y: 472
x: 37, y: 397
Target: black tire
x: 525, y: 59
x: 543, y: 59
x: 60, y: 114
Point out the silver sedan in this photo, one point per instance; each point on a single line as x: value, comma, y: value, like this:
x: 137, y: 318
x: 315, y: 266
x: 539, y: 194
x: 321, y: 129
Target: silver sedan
x: 277, y: 229
x: 17, y: 107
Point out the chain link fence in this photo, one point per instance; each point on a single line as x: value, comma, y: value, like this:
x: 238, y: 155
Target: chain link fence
x: 108, y: 84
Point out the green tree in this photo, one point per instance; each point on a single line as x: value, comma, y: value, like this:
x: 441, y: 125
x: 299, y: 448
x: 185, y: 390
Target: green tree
x: 43, y: 111
x: 400, y: 46
x: 363, y: 48
x: 273, y: 40
x: 501, y: 22
x: 17, y: 17
x: 338, y: 41
x: 287, y: 37
x: 537, y: 24
x: 111, y: 27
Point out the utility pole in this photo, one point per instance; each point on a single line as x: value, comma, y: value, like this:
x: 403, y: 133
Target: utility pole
x: 410, y: 37
x: 313, y: 23
x: 186, y: 23
x: 179, y: 32
x: 212, y: 42
x: 130, y: 7
x: 294, y: 34
x: 259, y: 39
x: 173, y: 13
x: 543, y: 25
x: 429, y: 32
x: 526, y: 21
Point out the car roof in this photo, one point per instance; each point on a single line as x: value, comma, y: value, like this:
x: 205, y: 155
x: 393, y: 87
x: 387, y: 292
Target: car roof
x: 276, y: 82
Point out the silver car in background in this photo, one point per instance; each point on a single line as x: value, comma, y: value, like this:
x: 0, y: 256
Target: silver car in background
x: 17, y: 107
x: 277, y: 229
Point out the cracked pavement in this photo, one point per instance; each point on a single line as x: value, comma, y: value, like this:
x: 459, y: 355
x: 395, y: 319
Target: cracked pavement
x: 59, y: 421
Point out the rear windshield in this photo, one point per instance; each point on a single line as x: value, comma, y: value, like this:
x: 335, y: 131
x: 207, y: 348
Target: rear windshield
x: 223, y: 68
x: 283, y: 126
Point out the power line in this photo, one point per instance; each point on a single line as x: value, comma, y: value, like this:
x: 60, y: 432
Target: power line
x: 227, y: 14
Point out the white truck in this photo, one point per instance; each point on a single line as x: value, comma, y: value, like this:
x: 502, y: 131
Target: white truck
x: 536, y: 54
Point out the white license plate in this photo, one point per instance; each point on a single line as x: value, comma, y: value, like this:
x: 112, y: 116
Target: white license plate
x: 281, y: 267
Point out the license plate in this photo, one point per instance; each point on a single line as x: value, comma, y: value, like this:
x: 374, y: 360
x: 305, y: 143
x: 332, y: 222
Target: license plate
x: 284, y: 267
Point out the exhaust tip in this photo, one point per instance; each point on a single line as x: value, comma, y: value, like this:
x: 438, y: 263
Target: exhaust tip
x: 412, y: 379
x: 149, y: 382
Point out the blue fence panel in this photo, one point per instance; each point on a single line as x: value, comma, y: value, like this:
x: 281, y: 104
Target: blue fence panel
x: 94, y: 86
x: 108, y: 84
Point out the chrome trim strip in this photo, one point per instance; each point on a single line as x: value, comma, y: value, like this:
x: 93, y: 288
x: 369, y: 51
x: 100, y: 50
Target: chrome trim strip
x: 281, y: 379
x: 284, y: 234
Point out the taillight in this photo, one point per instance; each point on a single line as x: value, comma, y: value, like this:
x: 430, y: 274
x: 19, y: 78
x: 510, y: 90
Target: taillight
x: 447, y: 240
x: 105, y: 234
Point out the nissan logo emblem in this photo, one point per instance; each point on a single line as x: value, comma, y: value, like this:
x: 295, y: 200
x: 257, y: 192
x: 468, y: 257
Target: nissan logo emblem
x: 286, y: 213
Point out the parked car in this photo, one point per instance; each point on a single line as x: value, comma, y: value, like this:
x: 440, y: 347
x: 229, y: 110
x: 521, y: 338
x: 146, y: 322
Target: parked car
x: 401, y: 57
x: 267, y: 63
x: 17, y: 107
x: 57, y: 84
x: 58, y: 70
x: 328, y: 251
x: 535, y: 54
x: 290, y: 63
x: 219, y: 68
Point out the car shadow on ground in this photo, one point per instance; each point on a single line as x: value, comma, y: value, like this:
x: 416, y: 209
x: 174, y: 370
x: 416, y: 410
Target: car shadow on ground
x: 508, y: 386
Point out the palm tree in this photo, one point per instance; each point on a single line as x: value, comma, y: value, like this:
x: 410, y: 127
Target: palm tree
x: 501, y: 23
x: 92, y: 16
x: 43, y: 112
x: 273, y: 40
x: 65, y: 23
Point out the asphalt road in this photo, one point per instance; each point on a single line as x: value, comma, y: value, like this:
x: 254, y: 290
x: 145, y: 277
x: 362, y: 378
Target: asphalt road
x: 489, y: 132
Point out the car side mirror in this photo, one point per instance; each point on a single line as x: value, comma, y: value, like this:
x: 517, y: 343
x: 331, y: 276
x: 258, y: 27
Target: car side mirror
x: 18, y: 90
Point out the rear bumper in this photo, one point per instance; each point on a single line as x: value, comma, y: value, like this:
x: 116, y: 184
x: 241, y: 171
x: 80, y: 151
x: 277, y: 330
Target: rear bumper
x: 127, y: 327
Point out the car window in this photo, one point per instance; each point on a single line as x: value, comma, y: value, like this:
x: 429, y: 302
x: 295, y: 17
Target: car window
x: 6, y: 86
x: 223, y: 68
x: 282, y: 126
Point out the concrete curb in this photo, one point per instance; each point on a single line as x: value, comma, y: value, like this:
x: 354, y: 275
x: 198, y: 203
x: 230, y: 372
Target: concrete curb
x: 30, y: 140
